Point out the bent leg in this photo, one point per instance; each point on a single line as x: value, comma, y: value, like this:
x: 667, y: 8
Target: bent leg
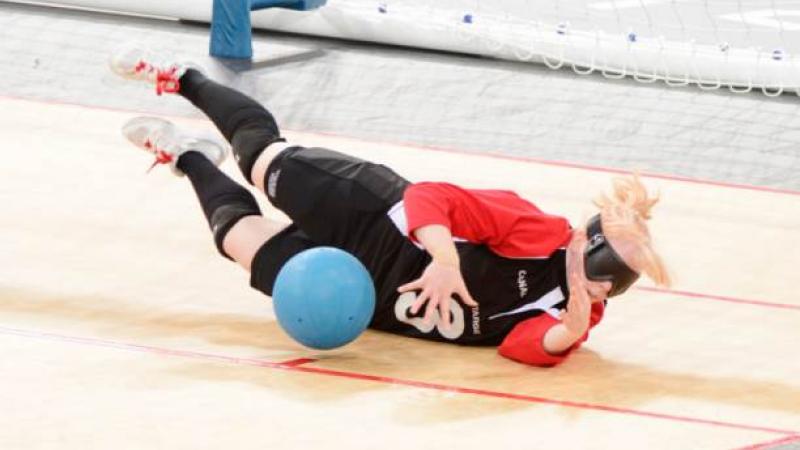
x: 245, y: 123
x: 256, y: 243
x: 247, y: 236
x: 225, y: 203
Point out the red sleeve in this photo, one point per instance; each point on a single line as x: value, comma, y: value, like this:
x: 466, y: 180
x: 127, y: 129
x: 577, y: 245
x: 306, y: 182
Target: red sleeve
x: 508, y: 224
x: 525, y: 341
x: 428, y: 204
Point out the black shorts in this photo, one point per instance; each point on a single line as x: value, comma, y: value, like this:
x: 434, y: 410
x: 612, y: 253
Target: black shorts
x: 340, y: 201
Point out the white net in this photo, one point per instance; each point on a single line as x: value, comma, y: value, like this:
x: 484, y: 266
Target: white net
x: 741, y: 45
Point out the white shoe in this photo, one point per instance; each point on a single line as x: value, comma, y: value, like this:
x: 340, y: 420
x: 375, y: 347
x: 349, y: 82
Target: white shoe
x: 135, y: 62
x: 163, y: 139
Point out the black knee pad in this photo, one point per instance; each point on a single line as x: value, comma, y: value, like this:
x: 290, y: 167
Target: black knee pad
x: 254, y: 130
x: 226, y: 216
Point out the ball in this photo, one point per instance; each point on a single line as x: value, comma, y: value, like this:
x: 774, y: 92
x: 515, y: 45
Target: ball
x: 324, y: 298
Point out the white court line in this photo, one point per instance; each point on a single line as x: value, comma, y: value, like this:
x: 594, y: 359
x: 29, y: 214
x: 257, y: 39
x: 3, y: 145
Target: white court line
x: 772, y: 18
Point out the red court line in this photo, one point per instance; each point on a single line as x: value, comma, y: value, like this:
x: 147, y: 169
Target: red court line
x: 542, y: 400
x: 493, y: 155
x: 722, y: 298
x: 771, y: 444
x: 293, y: 366
x: 297, y: 362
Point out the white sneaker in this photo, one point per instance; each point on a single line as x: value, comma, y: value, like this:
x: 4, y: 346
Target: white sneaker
x: 135, y: 62
x: 163, y: 139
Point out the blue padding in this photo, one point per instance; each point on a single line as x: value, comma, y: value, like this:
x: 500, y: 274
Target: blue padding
x: 298, y: 5
x: 231, y: 35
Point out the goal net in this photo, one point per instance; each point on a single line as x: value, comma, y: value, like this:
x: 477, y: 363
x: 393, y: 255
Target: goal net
x: 742, y: 45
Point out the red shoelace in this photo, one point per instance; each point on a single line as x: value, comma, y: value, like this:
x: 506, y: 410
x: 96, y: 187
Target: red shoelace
x: 166, y: 79
x: 162, y: 157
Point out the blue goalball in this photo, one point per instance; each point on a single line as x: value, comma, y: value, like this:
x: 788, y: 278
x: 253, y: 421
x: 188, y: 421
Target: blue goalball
x: 324, y: 297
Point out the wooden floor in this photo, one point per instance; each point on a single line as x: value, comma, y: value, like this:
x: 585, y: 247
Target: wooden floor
x: 120, y: 327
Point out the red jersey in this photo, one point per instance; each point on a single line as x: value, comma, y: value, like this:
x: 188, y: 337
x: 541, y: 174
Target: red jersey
x: 502, y: 220
x: 513, y: 229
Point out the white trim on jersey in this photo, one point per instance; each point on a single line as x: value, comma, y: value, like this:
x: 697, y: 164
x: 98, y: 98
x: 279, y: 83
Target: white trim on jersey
x: 397, y: 214
x: 544, y: 303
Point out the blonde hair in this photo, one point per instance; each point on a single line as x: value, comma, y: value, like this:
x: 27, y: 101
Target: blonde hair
x: 625, y: 215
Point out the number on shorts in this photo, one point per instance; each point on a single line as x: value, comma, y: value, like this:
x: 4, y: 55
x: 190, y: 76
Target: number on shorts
x: 456, y: 329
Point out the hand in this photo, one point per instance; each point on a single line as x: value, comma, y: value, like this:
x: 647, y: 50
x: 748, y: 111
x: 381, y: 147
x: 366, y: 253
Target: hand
x: 438, y: 283
x: 579, y: 308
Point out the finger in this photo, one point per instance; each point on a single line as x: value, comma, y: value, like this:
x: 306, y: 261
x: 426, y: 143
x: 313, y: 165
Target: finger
x: 583, y: 278
x: 573, y: 275
x: 579, y: 255
x: 573, y: 294
x: 576, y: 282
x: 466, y: 297
x: 576, y: 305
x: 580, y: 308
x: 582, y: 301
x: 583, y: 294
x: 444, y: 309
x: 423, y: 296
x: 431, y: 309
x: 416, y: 284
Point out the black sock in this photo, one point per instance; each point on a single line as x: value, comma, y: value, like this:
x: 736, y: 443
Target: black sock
x: 223, y: 200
